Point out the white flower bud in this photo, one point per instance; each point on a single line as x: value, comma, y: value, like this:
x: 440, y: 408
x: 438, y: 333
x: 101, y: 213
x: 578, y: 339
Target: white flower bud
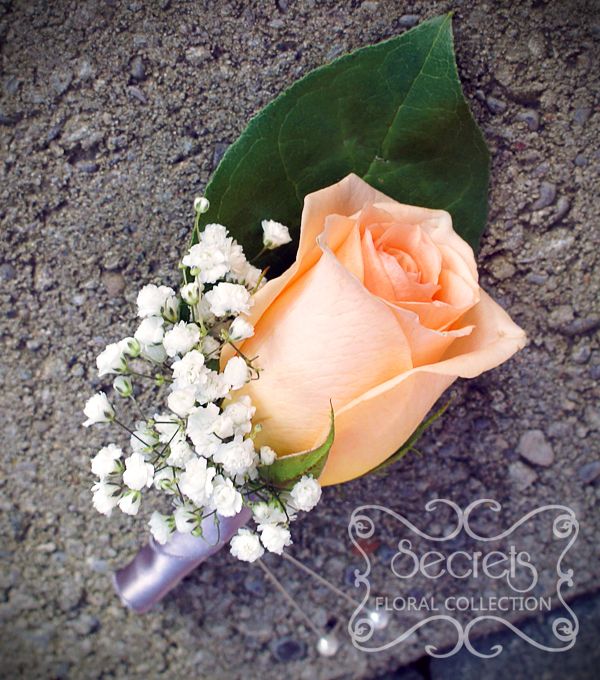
x: 170, y: 309
x: 275, y: 234
x: 190, y: 293
x: 123, y: 386
x: 201, y: 204
x: 131, y: 347
x: 240, y: 329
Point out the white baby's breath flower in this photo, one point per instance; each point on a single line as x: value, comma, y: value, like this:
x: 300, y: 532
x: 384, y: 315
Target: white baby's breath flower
x: 185, y: 518
x: 182, y: 401
x: 274, y: 537
x: 98, y: 410
x: 253, y: 278
x: 305, y: 494
x: 236, y: 373
x: 130, y: 503
x: 190, y: 369
x: 106, y: 497
x: 151, y: 299
x: 167, y: 426
x: 246, y: 546
x: 190, y: 293
x: 275, y: 234
x: 241, y: 413
x: 123, y: 386
x: 227, y: 299
x: 210, y: 346
x: 240, y: 329
x: 208, y: 262
x: 138, y: 473
x: 223, y: 426
x: 226, y: 499
x: 150, y: 331
x: 181, y: 338
x: 180, y: 452
x: 111, y: 360
x: 104, y: 462
x: 161, y: 527
x: 236, y: 456
x: 216, y: 388
x: 238, y: 264
x: 143, y: 439
x: 196, y: 481
x: 164, y: 480
x: 200, y: 427
x: 267, y: 455
x: 268, y: 513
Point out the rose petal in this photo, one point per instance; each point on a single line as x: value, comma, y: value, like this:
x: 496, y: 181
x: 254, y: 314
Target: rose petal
x: 394, y: 409
x: 325, y: 338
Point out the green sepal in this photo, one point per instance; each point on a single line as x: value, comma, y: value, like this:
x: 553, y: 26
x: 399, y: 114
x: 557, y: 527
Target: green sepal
x: 287, y: 470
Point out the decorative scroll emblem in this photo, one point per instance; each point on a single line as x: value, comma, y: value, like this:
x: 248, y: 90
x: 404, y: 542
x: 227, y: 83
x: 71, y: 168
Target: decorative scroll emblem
x: 493, y: 558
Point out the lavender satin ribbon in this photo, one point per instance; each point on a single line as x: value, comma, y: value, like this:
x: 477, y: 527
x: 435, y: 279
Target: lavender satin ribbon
x: 157, y: 569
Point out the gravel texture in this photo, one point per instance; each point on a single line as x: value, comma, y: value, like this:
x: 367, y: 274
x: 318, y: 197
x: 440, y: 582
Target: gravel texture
x: 112, y: 117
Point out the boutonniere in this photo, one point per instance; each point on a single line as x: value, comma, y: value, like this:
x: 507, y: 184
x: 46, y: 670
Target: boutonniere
x: 329, y: 295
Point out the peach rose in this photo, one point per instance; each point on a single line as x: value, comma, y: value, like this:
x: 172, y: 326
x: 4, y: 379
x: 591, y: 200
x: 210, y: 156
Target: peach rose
x: 380, y: 313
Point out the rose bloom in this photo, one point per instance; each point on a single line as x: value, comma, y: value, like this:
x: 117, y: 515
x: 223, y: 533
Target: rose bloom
x: 380, y: 313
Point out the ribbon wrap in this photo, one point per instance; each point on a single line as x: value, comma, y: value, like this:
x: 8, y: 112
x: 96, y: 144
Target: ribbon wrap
x: 157, y: 569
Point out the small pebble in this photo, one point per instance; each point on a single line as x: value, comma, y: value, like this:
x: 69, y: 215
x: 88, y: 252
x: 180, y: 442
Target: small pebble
x: 582, y: 114
x: 138, y: 72
x: 114, y: 283
x: 581, y: 354
x: 589, y: 472
x: 495, y: 105
x: 547, y: 196
x: 534, y: 447
x: 563, y: 206
x: 136, y: 93
x: 7, y: 272
x: 408, y: 20
x: 522, y: 475
x: 288, y: 649
x: 531, y: 117
x: 197, y: 55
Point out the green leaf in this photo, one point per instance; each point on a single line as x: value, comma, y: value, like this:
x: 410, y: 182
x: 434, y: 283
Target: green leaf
x: 412, y: 440
x: 393, y: 113
x: 286, y: 471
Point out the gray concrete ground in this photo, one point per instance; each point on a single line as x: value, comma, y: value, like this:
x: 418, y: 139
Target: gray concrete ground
x: 112, y: 116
